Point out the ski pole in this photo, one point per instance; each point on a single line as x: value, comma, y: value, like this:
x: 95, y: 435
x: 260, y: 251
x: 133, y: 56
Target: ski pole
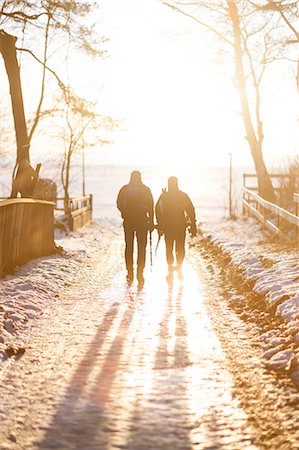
x: 159, y: 239
x: 151, y: 249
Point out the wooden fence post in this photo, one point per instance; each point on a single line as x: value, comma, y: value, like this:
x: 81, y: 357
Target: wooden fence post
x: 296, y: 200
x: 243, y: 196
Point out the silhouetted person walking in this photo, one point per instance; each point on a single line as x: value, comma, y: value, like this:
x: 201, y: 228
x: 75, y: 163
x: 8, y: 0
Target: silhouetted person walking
x: 136, y: 204
x: 174, y: 213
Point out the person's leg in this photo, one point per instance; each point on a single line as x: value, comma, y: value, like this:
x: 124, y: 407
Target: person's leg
x: 180, y: 247
x: 141, y: 243
x: 129, y: 239
x: 169, y: 241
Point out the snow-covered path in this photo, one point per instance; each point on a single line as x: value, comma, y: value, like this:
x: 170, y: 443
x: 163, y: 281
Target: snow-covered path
x: 111, y: 366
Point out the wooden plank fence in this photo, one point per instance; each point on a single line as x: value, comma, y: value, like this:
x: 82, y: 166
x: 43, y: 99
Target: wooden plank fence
x: 279, y: 180
x: 26, y: 231
x: 275, y: 218
x: 80, y: 211
x: 296, y: 200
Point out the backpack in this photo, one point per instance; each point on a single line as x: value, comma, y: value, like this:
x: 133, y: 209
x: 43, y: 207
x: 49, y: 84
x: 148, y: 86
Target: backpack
x: 135, y: 204
x: 171, y: 211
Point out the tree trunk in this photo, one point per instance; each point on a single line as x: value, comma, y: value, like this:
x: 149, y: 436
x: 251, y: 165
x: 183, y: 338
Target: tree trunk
x: 67, y: 181
x: 265, y: 187
x: 8, y: 50
x: 297, y: 75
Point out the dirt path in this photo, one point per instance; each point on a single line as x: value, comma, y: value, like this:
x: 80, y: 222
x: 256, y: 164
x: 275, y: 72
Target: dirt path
x: 114, y: 367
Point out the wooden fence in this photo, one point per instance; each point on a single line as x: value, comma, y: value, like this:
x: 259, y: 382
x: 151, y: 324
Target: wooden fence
x: 275, y: 218
x: 26, y: 231
x: 80, y: 211
x: 278, y: 181
x: 296, y: 200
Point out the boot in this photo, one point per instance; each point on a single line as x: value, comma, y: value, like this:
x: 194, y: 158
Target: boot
x: 130, y: 275
x: 140, y: 276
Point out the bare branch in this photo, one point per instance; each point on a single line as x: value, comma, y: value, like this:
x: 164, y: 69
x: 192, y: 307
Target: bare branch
x: 280, y: 8
x: 20, y: 15
x: 256, y: 84
x: 290, y: 25
x: 203, y: 24
x: 59, y: 81
x: 38, y: 111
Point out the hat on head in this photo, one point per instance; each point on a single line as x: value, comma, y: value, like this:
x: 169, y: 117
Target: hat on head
x: 173, y: 183
x: 135, y: 176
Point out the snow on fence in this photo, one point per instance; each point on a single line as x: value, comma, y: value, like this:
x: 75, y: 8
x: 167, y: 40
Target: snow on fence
x: 80, y: 211
x: 275, y: 218
x: 26, y: 231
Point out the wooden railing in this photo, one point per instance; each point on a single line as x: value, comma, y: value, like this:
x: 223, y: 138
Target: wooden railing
x: 276, y: 177
x: 80, y: 211
x: 278, y: 180
x: 26, y: 231
x: 296, y: 200
x: 275, y: 218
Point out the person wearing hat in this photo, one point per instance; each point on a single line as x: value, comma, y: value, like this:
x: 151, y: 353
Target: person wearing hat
x: 174, y: 213
x: 136, y: 204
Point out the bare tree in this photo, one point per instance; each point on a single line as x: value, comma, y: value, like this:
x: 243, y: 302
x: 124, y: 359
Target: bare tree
x: 54, y: 22
x: 250, y: 41
x: 8, y: 51
x: 288, y: 11
x: 80, y: 118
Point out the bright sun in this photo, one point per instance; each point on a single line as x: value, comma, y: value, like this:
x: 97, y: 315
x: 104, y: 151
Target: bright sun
x: 177, y: 110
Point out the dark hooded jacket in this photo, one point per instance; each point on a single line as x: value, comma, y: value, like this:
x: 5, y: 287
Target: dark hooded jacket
x: 136, y: 204
x: 174, y: 211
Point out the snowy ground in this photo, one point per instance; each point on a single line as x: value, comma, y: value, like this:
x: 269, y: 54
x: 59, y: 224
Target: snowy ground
x: 271, y: 272
x: 185, y: 365
x: 35, y: 286
x: 62, y: 307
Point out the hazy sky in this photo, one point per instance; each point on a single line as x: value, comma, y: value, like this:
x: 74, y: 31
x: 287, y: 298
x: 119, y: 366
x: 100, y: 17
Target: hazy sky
x: 178, y: 107
x: 160, y: 78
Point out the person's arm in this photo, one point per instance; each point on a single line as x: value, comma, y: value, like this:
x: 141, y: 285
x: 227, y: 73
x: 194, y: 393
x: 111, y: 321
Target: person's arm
x: 151, y: 206
x: 159, y: 214
x: 120, y: 200
x: 190, y: 211
x: 150, y: 211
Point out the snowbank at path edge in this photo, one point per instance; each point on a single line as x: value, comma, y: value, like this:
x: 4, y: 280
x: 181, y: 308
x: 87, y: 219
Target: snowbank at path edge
x: 36, y: 285
x: 273, y: 270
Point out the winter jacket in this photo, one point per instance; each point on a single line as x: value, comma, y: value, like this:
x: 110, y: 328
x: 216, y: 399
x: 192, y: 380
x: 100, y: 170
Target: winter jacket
x: 174, y: 211
x: 136, y: 204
